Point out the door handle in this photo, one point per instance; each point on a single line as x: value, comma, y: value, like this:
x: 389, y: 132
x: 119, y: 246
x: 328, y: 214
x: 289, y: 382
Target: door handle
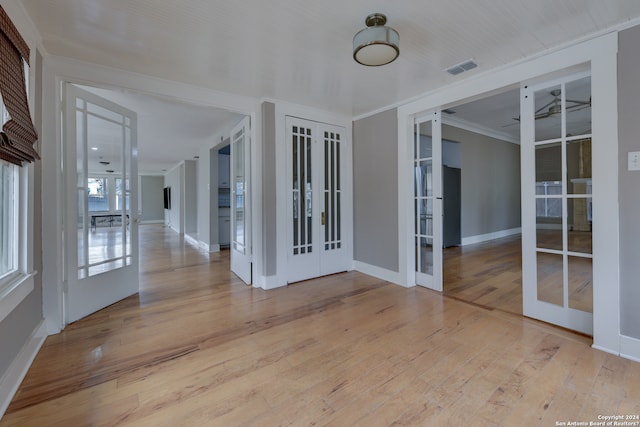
x: 322, y: 218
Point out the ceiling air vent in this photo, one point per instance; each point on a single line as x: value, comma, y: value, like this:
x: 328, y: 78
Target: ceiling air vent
x: 462, y: 67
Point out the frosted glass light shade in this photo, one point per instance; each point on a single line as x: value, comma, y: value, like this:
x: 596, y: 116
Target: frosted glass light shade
x: 377, y: 45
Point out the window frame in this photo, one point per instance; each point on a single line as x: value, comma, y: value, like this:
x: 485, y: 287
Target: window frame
x: 13, y: 211
x: 16, y: 285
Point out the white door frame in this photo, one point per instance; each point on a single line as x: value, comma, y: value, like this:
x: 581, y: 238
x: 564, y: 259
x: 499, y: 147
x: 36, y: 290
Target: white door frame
x: 601, y: 53
x: 56, y: 72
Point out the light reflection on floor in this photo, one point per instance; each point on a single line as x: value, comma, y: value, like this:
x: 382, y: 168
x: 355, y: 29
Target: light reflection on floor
x: 106, y: 249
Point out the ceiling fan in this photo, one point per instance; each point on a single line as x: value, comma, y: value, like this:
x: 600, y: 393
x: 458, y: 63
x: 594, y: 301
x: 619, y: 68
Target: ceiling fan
x: 554, y: 107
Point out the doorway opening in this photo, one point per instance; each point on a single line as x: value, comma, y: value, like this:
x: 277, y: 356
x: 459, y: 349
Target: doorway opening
x: 482, y: 255
x: 171, y: 158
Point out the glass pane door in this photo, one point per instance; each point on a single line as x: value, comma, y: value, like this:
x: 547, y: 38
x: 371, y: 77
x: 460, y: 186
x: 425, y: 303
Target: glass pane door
x: 428, y: 202
x: 332, y: 192
x: 559, y: 123
x: 302, y: 190
x: 101, y: 187
x: 241, y: 201
x: 103, y: 150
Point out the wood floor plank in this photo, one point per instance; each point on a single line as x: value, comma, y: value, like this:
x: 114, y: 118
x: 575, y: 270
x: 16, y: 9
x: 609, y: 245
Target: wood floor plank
x: 197, y: 347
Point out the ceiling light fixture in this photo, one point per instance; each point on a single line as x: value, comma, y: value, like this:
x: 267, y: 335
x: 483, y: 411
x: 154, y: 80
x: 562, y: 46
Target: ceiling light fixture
x: 377, y: 44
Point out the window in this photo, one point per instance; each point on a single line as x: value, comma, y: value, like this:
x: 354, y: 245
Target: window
x: 119, y: 194
x: 549, y: 207
x: 98, y: 196
x: 105, y: 194
x: 18, y: 137
x: 8, y: 218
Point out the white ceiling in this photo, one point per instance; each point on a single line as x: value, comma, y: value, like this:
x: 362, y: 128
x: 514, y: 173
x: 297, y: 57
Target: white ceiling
x: 500, y: 113
x: 301, y: 51
x: 168, y: 131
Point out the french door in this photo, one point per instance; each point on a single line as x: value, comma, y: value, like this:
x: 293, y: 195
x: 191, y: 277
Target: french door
x: 427, y: 198
x: 557, y: 263
x: 241, y: 201
x: 316, y: 218
x: 101, y: 224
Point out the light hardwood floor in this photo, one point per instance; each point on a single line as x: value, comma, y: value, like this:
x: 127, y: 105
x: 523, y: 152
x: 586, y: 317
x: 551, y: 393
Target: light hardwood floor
x: 197, y: 347
x: 488, y: 274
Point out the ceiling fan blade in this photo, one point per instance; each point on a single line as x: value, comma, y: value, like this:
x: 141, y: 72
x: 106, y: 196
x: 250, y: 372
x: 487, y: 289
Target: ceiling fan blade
x: 517, y: 123
x: 547, y: 105
x: 578, y: 102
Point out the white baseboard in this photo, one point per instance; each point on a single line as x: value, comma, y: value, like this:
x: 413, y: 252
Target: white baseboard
x: 152, y: 221
x: 18, y: 369
x: 379, y: 272
x: 271, y: 282
x: 192, y: 239
x: 203, y: 245
x: 490, y: 236
x: 605, y: 349
x: 630, y: 348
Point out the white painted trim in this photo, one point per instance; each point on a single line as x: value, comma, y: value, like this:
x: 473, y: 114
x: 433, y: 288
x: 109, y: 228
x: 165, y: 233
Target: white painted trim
x: 406, y: 259
x: 102, y: 76
x: 606, y: 350
x: 173, y: 168
x: 477, y: 128
x: 15, y: 293
x: 601, y: 53
x: 381, y: 273
x: 215, y: 247
x: 193, y: 240
x: 271, y: 282
x: 630, y: 348
x: 152, y: 221
x: 479, y: 238
x: 18, y: 369
x: 313, y: 114
x: 606, y: 232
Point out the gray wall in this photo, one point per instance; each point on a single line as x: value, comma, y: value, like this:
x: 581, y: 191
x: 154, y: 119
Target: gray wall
x: 490, y: 182
x: 17, y: 327
x: 152, y: 198
x: 269, y: 211
x: 190, y: 197
x: 375, y: 190
x: 629, y: 181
